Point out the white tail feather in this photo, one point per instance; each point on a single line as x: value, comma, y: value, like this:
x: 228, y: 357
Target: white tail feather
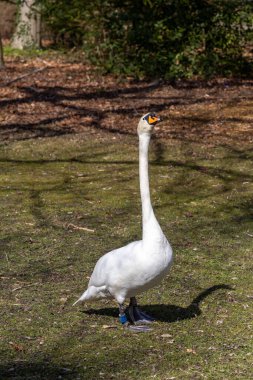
x: 82, y: 298
x: 76, y: 302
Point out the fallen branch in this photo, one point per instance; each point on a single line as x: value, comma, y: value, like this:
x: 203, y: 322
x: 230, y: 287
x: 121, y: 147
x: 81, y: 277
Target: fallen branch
x: 24, y: 76
x: 7, y: 259
x: 71, y: 225
x: 24, y: 286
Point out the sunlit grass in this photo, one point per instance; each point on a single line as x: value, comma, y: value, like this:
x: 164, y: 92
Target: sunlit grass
x: 47, y: 52
x: 52, y: 188
x: 32, y: 52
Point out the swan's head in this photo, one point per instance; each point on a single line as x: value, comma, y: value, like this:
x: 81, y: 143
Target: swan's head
x: 147, y: 123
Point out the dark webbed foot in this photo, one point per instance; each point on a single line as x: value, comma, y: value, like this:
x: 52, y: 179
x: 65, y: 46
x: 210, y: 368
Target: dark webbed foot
x: 127, y: 325
x: 136, y: 315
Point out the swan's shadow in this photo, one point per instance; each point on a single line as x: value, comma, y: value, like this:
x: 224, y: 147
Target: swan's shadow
x: 167, y: 313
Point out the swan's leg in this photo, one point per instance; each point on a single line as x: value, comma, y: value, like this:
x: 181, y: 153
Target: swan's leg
x: 136, y: 315
x: 123, y: 320
x: 122, y: 315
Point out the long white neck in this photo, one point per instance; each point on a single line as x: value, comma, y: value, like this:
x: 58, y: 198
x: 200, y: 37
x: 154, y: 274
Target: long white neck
x: 150, y: 226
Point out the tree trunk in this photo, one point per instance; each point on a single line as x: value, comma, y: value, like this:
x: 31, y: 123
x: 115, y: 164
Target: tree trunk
x: 1, y: 54
x: 27, y: 33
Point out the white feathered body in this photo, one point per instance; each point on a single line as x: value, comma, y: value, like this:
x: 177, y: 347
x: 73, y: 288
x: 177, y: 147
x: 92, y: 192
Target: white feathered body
x: 130, y: 270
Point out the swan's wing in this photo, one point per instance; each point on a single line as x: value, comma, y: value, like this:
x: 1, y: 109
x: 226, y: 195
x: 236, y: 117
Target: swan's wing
x: 112, y: 264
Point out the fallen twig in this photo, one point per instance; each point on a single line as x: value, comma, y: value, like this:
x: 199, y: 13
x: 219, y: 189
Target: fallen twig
x: 109, y: 327
x: 24, y: 286
x: 23, y: 76
x: 7, y: 259
x: 71, y: 225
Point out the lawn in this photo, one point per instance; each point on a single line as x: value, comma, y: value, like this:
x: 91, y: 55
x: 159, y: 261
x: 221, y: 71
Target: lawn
x: 67, y: 198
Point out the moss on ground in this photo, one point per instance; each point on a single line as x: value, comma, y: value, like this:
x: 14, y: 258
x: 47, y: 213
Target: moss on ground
x: 53, y: 188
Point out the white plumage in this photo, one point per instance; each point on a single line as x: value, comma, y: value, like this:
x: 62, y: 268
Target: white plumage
x: 127, y: 271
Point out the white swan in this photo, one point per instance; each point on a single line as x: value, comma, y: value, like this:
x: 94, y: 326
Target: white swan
x: 138, y: 266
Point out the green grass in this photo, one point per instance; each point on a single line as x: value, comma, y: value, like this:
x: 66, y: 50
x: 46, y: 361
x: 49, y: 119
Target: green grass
x: 31, y: 53
x: 44, y: 52
x: 202, y: 197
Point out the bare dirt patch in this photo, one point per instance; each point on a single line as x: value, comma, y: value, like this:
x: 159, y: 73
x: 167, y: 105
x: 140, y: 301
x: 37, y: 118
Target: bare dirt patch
x: 48, y: 97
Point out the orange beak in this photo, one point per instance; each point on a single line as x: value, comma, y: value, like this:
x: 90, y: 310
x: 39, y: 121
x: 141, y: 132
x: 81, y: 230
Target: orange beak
x: 153, y: 119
